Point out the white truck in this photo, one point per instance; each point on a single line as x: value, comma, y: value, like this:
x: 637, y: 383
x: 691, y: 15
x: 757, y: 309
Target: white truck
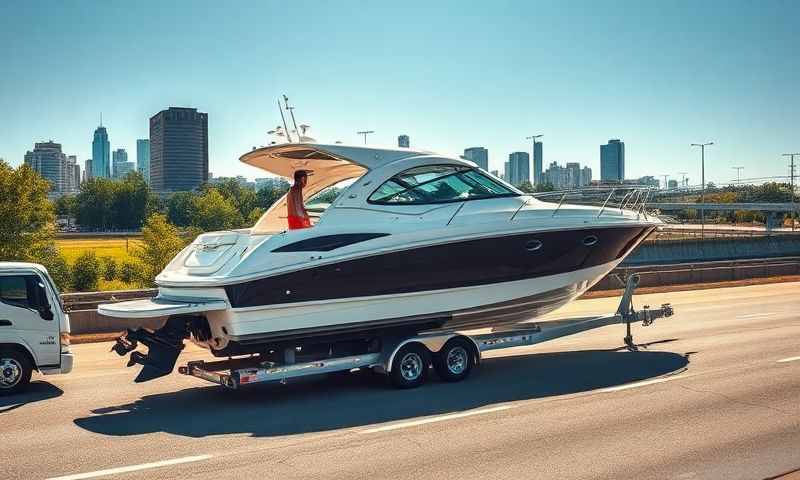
x: 34, y: 328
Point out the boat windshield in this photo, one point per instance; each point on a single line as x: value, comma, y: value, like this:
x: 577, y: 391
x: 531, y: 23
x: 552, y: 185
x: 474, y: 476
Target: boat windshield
x: 320, y: 201
x: 438, y: 184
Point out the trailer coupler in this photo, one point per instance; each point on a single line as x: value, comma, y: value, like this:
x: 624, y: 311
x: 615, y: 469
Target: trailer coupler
x: 163, y: 347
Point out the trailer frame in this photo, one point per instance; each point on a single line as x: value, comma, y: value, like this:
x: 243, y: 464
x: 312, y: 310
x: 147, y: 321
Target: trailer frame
x: 236, y: 372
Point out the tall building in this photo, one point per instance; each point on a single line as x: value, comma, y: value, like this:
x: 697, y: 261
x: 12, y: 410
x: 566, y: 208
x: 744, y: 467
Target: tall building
x: 50, y: 162
x: 403, y: 141
x: 612, y: 161
x: 507, y: 171
x: 101, y: 154
x: 72, y: 177
x: 87, y: 169
x: 586, y: 176
x: 178, y: 149
x: 478, y: 155
x: 538, y: 162
x: 520, y: 167
x: 573, y: 174
x: 143, y: 158
x: 118, y: 157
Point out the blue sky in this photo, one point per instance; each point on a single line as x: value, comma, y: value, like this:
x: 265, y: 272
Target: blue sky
x: 657, y: 74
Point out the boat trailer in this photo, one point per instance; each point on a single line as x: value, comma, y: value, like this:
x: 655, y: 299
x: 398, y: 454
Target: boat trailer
x: 406, y: 359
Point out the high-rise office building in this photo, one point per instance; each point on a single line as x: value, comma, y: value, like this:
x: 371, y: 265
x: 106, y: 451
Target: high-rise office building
x: 612, y: 161
x: 573, y: 174
x: 178, y: 149
x: 538, y: 162
x: 586, y: 176
x: 507, y: 171
x: 87, y: 169
x: 101, y: 154
x: 72, y: 177
x: 403, y: 141
x: 118, y: 157
x: 143, y: 158
x: 478, y: 155
x: 520, y: 167
x: 50, y: 162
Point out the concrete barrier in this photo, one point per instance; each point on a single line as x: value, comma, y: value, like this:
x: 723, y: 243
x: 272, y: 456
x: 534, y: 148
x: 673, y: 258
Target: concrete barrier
x: 695, y: 250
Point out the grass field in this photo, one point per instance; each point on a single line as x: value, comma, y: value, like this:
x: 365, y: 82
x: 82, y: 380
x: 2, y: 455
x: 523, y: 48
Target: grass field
x: 118, y: 248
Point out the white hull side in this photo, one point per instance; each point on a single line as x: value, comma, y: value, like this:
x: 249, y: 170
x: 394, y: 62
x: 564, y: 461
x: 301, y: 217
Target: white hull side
x: 245, y: 323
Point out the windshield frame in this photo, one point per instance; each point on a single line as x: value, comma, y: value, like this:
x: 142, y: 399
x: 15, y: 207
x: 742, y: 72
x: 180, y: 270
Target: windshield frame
x: 459, y: 169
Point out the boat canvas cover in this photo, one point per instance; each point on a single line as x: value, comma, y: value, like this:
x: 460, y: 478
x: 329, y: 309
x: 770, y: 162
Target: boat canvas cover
x: 328, y: 164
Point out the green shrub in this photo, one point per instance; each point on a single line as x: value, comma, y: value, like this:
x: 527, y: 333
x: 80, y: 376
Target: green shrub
x: 86, y: 272
x: 129, y: 272
x: 109, y: 268
x: 56, y: 266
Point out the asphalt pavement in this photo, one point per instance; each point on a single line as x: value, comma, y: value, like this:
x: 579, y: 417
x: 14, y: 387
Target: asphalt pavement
x: 714, y: 392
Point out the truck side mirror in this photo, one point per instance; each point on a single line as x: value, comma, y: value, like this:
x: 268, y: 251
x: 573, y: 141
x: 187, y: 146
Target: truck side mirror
x: 45, y: 312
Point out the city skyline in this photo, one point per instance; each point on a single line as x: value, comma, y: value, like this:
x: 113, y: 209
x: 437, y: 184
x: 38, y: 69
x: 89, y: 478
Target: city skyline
x: 675, y: 79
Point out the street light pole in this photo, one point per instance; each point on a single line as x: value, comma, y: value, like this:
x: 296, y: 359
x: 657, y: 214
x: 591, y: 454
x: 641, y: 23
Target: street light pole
x: 365, y: 133
x: 702, y: 186
x: 533, y: 158
x: 738, y: 176
x: 791, y: 184
x: 683, y: 178
x: 666, y: 176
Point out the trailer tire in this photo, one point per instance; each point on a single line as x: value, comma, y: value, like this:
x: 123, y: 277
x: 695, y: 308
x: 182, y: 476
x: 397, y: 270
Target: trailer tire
x: 15, y: 370
x: 454, y: 361
x: 410, y: 366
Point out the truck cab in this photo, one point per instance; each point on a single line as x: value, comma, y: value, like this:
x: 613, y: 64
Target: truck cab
x: 34, y: 328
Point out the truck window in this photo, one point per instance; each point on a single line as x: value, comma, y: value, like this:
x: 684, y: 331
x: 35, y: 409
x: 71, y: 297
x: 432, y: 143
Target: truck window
x: 22, y: 291
x: 14, y: 291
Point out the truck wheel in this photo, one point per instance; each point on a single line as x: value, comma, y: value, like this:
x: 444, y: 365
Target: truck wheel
x: 454, y: 361
x: 15, y: 371
x: 410, y: 366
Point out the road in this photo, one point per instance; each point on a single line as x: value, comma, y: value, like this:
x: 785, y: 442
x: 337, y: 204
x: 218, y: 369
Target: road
x: 715, y: 394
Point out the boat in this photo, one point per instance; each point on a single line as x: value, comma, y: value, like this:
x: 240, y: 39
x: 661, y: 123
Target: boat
x: 402, y: 241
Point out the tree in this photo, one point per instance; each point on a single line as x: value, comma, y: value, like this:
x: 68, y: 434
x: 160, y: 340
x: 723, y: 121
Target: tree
x: 243, y: 198
x: 86, y: 272
x: 268, y: 195
x: 545, y: 187
x: 212, y: 212
x: 66, y: 205
x: 129, y: 272
x: 56, y: 266
x: 109, y: 268
x: 180, y: 208
x: 129, y: 204
x: 160, y: 243
x: 94, y: 204
x: 26, y: 215
x: 526, y: 187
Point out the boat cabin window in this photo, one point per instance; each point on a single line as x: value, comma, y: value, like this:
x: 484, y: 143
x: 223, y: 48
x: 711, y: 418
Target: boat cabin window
x: 438, y: 184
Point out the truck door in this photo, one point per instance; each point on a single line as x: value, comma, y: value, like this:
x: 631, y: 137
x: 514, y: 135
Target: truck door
x: 25, y: 311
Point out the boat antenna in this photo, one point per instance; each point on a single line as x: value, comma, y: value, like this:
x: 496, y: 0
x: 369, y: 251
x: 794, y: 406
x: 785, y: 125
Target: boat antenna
x: 291, y: 112
x: 280, y: 109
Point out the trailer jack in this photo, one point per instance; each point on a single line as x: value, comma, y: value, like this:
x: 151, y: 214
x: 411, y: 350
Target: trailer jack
x: 630, y: 314
x: 163, y: 347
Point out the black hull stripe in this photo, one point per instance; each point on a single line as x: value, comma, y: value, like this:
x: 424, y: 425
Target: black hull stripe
x: 438, y: 267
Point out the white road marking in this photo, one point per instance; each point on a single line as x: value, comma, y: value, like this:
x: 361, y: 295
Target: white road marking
x: 790, y: 359
x: 132, y: 468
x: 442, y: 418
x: 756, y: 315
x: 642, y: 384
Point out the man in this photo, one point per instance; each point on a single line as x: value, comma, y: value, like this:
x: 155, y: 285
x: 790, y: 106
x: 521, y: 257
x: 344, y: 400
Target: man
x: 298, y: 217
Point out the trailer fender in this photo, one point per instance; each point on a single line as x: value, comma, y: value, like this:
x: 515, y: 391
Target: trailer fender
x: 433, y: 343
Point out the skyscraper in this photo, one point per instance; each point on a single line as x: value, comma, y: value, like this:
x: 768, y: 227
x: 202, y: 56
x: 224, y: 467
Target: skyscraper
x: 72, y: 177
x: 403, y: 141
x: 101, y: 154
x: 178, y: 149
x: 586, y: 176
x: 573, y: 174
x: 143, y: 158
x: 87, y: 169
x: 50, y: 162
x: 478, y: 155
x: 538, y: 162
x: 520, y: 167
x: 118, y: 158
x: 612, y: 161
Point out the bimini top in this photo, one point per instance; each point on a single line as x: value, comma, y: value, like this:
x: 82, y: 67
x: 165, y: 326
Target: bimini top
x: 328, y: 164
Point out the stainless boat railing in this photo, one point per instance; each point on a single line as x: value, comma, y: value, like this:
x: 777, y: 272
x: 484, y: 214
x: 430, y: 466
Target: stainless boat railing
x: 634, y: 198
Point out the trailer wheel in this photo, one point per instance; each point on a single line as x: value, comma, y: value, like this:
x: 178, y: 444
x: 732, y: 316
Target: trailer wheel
x: 410, y: 366
x: 454, y: 361
x: 15, y: 371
